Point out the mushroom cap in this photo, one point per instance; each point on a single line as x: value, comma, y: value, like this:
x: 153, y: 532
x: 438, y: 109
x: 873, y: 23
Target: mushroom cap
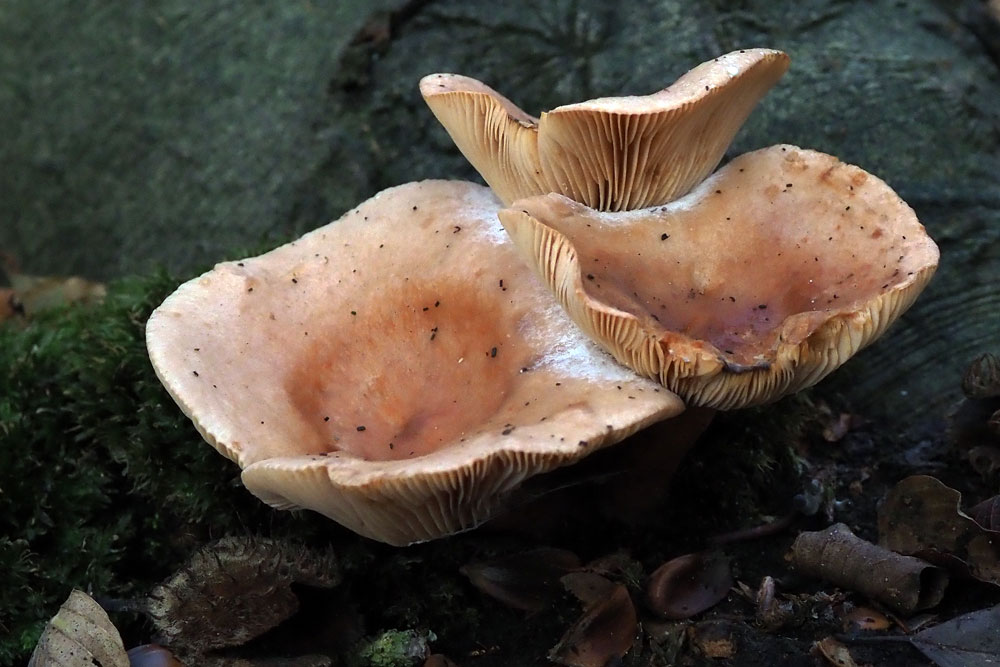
x: 760, y: 282
x: 612, y: 153
x: 399, y: 370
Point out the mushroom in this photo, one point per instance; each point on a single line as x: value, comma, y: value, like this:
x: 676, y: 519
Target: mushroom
x: 758, y: 283
x: 614, y: 153
x: 400, y: 370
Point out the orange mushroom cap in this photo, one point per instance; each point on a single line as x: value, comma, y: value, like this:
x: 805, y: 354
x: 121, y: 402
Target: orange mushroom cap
x: 613, y: 153
x: 760, y: 282
x: 400, y: 370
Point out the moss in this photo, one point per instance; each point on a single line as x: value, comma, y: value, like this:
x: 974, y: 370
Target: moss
x: 395, y: 648
x: 104, y: 485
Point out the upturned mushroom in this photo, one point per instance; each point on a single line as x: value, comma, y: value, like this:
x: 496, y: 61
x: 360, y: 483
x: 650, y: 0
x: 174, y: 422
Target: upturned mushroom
x: 613, y: 153
x: 758, y: 283
x: 400, y: 370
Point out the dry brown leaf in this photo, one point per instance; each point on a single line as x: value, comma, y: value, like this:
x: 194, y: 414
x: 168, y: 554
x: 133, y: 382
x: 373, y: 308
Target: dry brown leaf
x: 79, y: 634
x: 689, y: 584
x: 835, y: 653
x: 588, y: 587
x: 152, y: 655
x: 837, y: 555
x: 922, y: 516
x: 970, y: 640
x: 604, y: 633
x: 982, y: 378
x: 526, y: 580
x: 987, y: 513
x: 865, y: 619
x: 233, y: 590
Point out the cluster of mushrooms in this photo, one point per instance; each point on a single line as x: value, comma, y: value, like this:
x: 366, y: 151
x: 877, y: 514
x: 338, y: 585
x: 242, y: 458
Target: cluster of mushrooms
x: 403, y: 369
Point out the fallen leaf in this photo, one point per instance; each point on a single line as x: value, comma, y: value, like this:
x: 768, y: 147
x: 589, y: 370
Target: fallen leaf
x: 970, y: 640
x: 835, y: 653
x: 689, y: 584
x: 982, y: 378
x: 773, y: 613
x: 618, y: 566
x: 152, y: 655
x: 837, y: 555
x: 588, y: 587
x: 79, y: 634
x: 921, y: 516
x: 865, y: 619
x: 714, y: 639
x: 40, y: 293
x: 836, y: 429
x: 987, y: 513
x: 604, y: 633
x: 234, y: 590
x: 526, y: 580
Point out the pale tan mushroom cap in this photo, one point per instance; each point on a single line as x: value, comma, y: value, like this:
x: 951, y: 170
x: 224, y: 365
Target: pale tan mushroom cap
x: 613, y: 153
x: 399, y: 370
x: 760, y: 282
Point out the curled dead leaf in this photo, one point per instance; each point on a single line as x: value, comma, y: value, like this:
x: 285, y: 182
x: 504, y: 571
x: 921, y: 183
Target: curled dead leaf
x: 837, y: 555
x: 922, y: 516
x: 774, y: 612
x: 604, y: 633
x: 689, y: 584
x: 771, y: 613
x: 152, y: 655
x: 233, y: 590
x: 865, y: 619
x: 970, y: 640
x: 588, y: 587
x: 982, y: 378
x: 987, y: 513
x: 526, y: 580
x: 79, y: 634
x: 835, y: 653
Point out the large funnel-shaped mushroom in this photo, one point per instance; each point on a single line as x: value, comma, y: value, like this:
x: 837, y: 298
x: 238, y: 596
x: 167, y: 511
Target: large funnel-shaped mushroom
x: 760, y: 282
x: 614, y: 153
x: 400, y: 370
